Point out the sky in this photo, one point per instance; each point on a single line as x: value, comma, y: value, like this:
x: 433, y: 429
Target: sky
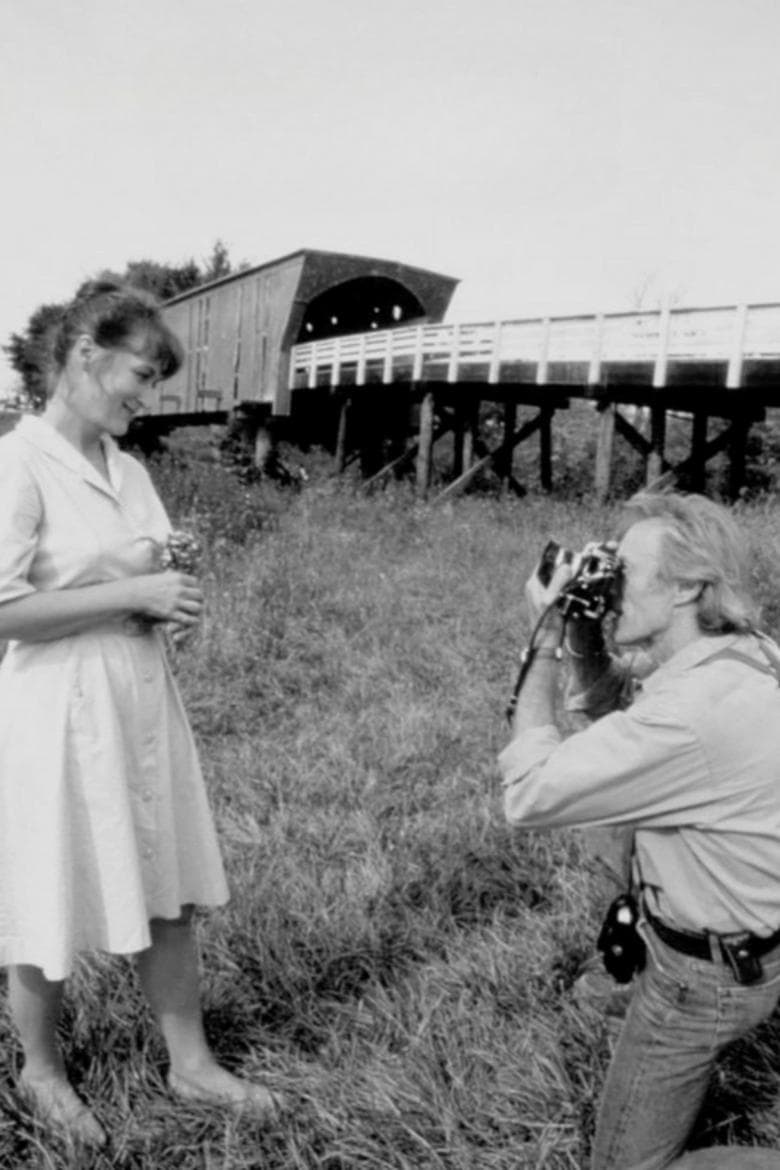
x: 555, y: 155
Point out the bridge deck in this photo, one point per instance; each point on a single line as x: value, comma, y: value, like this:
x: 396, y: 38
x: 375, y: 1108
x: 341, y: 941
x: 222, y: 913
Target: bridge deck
x: 625, y: 355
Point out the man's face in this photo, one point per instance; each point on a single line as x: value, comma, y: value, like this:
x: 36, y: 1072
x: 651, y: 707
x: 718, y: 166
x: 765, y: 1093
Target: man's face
x: 647, y: 604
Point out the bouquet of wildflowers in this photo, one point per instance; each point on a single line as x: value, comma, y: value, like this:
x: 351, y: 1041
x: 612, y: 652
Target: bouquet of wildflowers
x: 182, y: 551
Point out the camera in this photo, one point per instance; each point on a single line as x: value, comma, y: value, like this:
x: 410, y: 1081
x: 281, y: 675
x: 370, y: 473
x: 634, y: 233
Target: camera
x: 622, y: 947
x: 596, y: 585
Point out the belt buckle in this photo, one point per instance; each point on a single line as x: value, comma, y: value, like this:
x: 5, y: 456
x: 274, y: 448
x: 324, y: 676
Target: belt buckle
x: 745, y: 966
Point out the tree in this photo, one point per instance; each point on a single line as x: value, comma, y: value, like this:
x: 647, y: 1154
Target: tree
x: 29, y: 351
x: 218, y: 264
x: 161, y: 280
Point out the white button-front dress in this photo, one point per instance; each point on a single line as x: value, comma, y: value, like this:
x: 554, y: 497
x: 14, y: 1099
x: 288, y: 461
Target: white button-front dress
x: 104, y: 819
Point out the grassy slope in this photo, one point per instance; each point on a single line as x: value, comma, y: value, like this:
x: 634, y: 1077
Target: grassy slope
x: 393, y: 958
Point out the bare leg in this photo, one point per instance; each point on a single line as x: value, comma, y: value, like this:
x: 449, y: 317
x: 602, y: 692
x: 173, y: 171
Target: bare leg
x: 168, y: 971
x: 36, y: 1003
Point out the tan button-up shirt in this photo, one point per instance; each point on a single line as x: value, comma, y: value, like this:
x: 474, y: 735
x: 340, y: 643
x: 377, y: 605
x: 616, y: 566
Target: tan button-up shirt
x: 694, y: 764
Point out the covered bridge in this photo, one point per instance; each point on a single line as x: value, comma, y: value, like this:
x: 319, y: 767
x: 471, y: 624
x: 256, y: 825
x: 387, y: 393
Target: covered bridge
x: 238, y: 331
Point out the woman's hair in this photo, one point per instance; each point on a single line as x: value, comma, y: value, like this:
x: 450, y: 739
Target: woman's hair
x: 116, y: 316
x: 701, y: 544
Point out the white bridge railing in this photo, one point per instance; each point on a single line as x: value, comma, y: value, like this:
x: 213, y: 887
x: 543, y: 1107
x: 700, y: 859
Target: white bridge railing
x: 731, y: 335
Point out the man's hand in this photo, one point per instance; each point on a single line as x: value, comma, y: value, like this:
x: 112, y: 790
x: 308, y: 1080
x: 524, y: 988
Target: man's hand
x: 540, y: 598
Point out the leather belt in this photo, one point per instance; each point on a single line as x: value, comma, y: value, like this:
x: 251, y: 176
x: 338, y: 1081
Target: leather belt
x: 697, y: 945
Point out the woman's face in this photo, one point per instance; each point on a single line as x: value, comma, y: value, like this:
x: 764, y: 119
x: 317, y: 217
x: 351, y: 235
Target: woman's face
x: 114, y: 386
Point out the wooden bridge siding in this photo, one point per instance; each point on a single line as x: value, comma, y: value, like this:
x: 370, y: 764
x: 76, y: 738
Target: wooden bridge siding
x: 234, y: 335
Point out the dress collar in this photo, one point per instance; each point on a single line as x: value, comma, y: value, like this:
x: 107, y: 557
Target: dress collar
x: 41, y: 434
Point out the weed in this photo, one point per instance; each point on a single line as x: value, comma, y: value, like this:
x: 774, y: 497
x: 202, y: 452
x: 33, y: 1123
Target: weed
x: 393, y: 958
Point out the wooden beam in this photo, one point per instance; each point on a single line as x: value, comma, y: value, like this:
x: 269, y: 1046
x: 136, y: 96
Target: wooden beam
x: 630, y: 433
x: 406, y: 456
x: 458, y: 432
x: 425, y: 444
x: 655, y: 456
x: 698, y: 446
x: 504, y: 460
x: 738, y: 454
x: 713, y: 447
x: 604, y: 447
x: 457, y: 485
x: 545, y: 448
x: 341, y: 434
x: 471, y: 440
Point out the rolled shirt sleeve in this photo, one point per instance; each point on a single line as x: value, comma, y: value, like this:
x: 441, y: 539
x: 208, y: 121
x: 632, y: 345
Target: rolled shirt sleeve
x: 20, y: 518
x: 635, y: 765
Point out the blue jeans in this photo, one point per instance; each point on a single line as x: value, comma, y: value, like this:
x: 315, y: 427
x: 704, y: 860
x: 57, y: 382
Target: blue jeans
x: 683, y: 1012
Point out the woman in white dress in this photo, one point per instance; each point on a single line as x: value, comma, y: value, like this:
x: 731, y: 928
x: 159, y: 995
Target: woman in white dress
x: 106, y: 839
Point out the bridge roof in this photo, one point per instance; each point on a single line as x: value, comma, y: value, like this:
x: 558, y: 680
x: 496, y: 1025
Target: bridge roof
x: 368, y: 265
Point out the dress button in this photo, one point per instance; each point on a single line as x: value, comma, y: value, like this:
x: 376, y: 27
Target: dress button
x: 148, y: 853
x: 146, y: 794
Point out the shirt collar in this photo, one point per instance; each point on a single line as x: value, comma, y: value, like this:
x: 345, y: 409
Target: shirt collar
x: 41, y: 434
x: 689, y: 656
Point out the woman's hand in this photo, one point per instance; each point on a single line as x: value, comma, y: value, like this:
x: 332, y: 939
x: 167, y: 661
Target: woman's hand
x: 169, y: 596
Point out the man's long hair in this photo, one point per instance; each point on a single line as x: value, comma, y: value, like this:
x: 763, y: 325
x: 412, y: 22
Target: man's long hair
x: 702, y: 544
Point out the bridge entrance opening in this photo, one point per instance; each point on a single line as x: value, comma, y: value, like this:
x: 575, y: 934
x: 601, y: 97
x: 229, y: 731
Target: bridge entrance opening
x: 356, y: 306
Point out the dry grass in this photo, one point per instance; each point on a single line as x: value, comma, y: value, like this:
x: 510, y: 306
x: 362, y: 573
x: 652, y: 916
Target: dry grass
x: 393, y: 959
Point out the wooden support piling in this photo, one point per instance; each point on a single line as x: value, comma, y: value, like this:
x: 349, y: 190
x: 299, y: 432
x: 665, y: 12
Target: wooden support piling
x: 698, y: 474
x: 460, y: 423
x: 507, y: 444
x: 655, y: 456
x: 738, y: 454
x: 604, y: 447
x: 425, y: 444
x: 341, y: 434
x: 545, y: 448
x: 470, y: 434
x: 494, y: 457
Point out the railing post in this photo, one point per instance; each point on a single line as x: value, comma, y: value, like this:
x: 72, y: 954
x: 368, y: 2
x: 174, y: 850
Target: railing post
x: 662, y: 360
x: 335, y: 369
x: 417, y: 364
x: 594, y: 369
x: 313, y: 366
x: 544, y: 353
x: 495, y: 357
x: 360, y: 373
x: 452, y: 365
x: 734, y: 372
x: 387, y: 364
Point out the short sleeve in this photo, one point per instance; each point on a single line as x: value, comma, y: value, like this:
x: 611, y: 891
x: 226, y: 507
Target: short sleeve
x: 20, y: 518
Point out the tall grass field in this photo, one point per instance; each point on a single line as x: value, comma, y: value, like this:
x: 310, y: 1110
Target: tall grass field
x: 394, y: 960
